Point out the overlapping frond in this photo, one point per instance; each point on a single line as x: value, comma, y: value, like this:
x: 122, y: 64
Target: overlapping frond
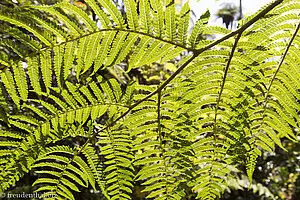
x: 274, y: 113
x: 157, y: 148
x: 65, y: 172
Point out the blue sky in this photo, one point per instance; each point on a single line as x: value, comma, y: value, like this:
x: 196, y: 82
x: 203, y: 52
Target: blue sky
x: 249, y: 7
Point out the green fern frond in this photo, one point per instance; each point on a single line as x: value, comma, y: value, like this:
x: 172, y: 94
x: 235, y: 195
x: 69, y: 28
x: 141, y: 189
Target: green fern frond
x: 46, y: 69
x: 105, y: 22
x: 224, y: 102
x: 131, y: 14
x: 73, y: 27
x: 53, y: 28
x: 115, y: 147
x: 197, y: 30
x: 68, y: 59
x: 103, y: 50
x: 170, y: 20
x: 63, y: 173
x: 22, y: 37
x: 57, y: 60
x: 113, y: 12
x: 145, y: 21
x: 91, y: 25
x: 96, y: 167
x: 8, y: 82
x: 117, y: 44
x: 183, y: 24
x: 21, y: 81
x: 20, y: 23
x: 157, y: 12
x: 91, y: 51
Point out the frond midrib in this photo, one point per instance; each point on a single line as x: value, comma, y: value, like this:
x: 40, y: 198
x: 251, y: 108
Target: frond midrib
x: 99, y: 31
x: 266, y: 98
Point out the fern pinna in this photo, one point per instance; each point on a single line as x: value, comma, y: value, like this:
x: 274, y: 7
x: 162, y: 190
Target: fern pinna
x: 75, y: 126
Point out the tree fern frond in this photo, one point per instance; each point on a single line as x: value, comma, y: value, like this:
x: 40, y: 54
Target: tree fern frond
x: 33, y: 73
x: 103, y: 50
x: 113, y: 12
x: 131, y: 14
x: 267, y: 115
x: 50, y: 26
x: 91, y: 51
x: 105, y: 22
x: 22, y: 37
x: 20, y: 23
x: 21, y: 81
x: 170, y: 20
x: 62, y: 184
x: 139, y: 51
x: 74, y: 29
x: 96, y: 167
x: 157, y: 13
x: 8, y: 81
x: 87, y: 93
x: 97, y: 92
x: 68, y: 59
x: 126, y: 48
x: 8, y: 44
x: 183, y: 24
x: 117, y: 47
x: 91, y: 25
x: 83, y: 44
x: 70, y: 112
x: 57, y: 60
x: 46, y: 69
x: 115, y: 147
x: 75, y: 94
x: 145, y: 21
x: 197, y: 30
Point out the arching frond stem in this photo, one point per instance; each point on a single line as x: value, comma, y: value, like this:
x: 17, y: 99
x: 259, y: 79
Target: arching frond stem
x: 51, y: 46
x: 244, y: 27
x: 280, y: 64
x: 224, y: 79
x: 197, y: 53
x: 276, y: 72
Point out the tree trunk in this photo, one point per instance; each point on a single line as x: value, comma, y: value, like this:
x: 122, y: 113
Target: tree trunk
x: 241, y: 12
